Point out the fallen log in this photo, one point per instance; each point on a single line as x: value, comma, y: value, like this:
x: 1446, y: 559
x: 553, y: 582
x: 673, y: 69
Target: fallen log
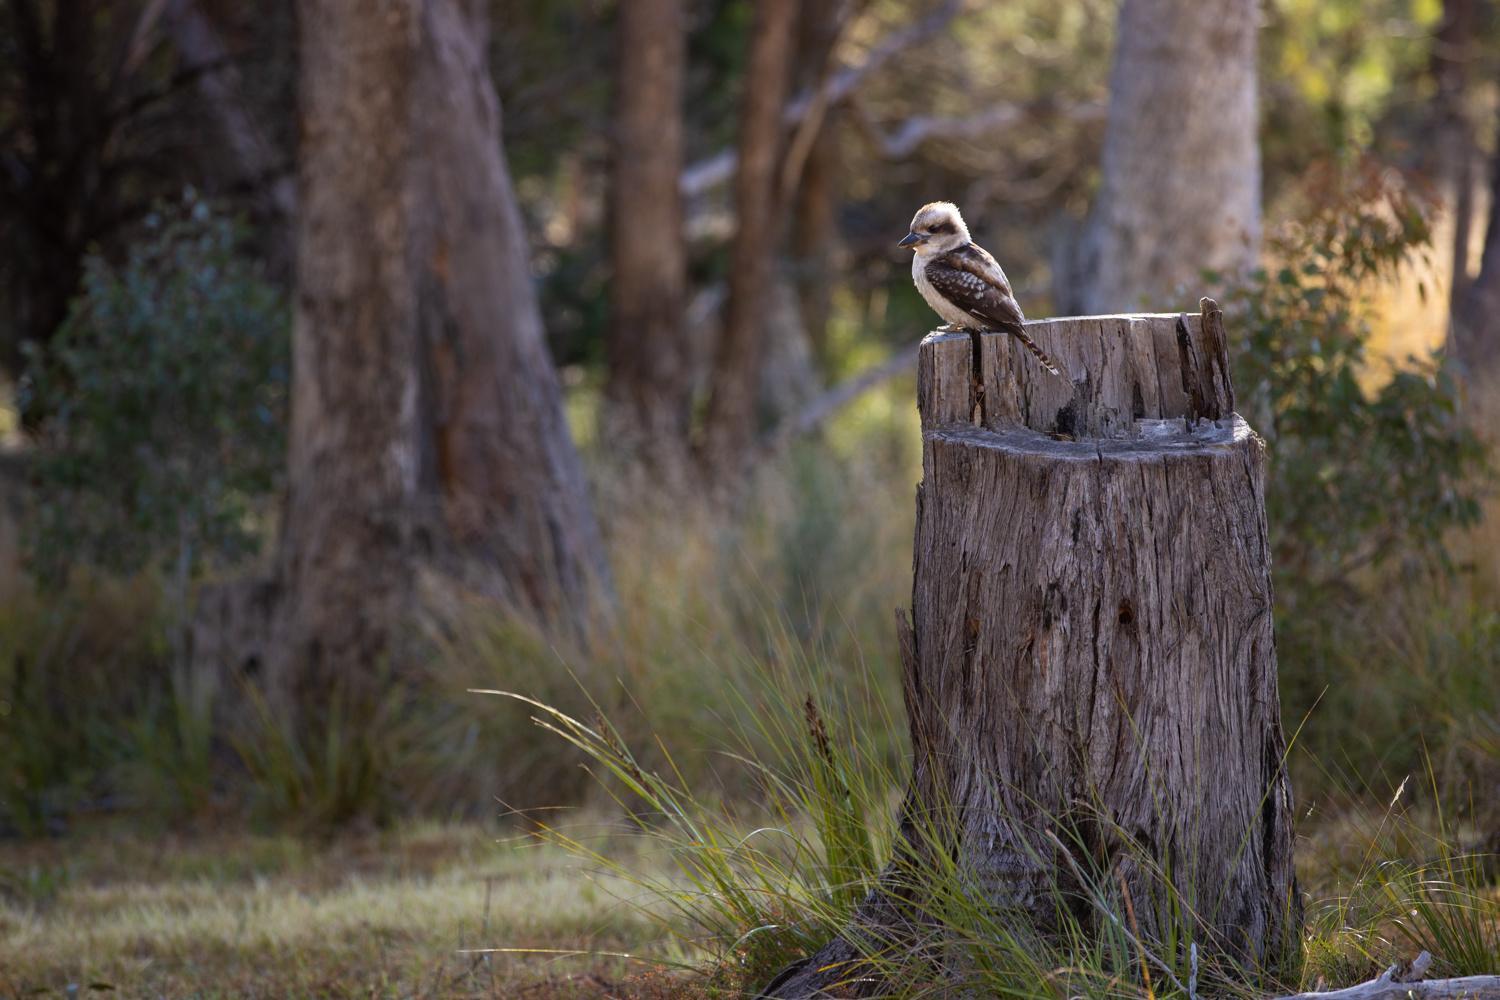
x: 1404, y: 980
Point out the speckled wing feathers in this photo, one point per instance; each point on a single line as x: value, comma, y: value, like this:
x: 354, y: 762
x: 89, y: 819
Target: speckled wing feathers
x: 973, y: 281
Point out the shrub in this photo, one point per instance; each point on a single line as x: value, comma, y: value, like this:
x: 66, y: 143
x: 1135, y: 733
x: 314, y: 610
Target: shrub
x: 1358, y: 474
x: 159, y: 404
x: 1368, y: 481
x: 77, y: 668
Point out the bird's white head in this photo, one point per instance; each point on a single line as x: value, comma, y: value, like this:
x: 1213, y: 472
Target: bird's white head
x: 936, y: 228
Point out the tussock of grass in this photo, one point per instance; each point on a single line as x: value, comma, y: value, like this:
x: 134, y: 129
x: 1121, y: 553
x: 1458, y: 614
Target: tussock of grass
x: 757, y: 886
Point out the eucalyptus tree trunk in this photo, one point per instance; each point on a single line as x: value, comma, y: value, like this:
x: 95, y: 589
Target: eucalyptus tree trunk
x: 729, y: 426
x: 1453, y: 151
x: 427, y: 428
x: 1090, y: 665
x: 1180, y: 184
x: 815, y: 250
x: 650, y: 387
x: 1474, y: 342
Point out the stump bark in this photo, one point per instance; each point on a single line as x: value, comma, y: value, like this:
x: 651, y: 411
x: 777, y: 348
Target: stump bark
x: 1090, y: 663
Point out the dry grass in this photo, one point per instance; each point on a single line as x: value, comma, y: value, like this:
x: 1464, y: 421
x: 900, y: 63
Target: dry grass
x: 373, y: 915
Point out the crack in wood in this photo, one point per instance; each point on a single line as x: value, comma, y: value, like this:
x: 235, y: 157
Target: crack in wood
x: 1116, y: 582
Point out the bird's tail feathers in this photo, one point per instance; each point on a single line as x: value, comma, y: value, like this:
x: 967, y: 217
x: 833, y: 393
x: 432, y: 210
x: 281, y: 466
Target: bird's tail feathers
x: 1036, y: 352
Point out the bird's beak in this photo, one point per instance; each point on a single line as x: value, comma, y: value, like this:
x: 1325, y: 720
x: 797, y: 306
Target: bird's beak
x: 911, y: 240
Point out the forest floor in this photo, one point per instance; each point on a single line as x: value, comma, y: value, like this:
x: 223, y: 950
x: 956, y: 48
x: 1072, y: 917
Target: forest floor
x: 392, y: 913
x: 408, y: 912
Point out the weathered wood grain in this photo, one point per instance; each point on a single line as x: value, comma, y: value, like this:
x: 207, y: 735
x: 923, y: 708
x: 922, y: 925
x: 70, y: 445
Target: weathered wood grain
x: 1095, y: 652
x: 1405, y: 982
x: 1091, y: 659
x: 1117, y: 370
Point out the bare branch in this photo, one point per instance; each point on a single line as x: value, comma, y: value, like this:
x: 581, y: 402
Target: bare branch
x: 907, y: 137
x: 710, y: 172
x: 1403, y: 981
x: 819, y: 410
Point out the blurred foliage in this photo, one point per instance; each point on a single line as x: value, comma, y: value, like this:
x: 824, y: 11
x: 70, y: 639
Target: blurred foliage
x: 1397, y: 686
x: 97, y: 713
x: 1356, y: 477
x: 76, y: 668
x: 344, y: 771
x: 1370, y: 488
x: 164, y: 395
x: 1333, y: 70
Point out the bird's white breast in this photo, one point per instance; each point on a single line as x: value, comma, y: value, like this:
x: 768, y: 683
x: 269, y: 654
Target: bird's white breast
x: 947, y: 310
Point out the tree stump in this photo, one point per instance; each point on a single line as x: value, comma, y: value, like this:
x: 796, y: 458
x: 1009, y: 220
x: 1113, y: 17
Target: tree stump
x: 1090, y: 665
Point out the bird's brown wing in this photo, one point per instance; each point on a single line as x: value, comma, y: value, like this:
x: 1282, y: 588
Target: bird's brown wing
x: 971, y: 279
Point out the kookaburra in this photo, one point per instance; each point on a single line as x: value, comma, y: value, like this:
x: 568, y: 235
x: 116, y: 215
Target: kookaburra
x: 960, y: 280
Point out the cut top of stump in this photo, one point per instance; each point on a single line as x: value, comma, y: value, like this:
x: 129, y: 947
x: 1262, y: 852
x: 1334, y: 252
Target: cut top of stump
x: 1120, y: 374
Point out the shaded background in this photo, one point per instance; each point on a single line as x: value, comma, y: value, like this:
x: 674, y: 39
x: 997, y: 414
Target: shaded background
x: 353, y: 361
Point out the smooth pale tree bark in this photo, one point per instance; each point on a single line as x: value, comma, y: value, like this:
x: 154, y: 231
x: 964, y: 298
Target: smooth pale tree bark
x: 650, y: 387
x: 1090, y: 663
x: 1474, y: 342
x: 1180, y: 184
x: 729, y: 426
x: 1453, y: 46
x: 427, y: 425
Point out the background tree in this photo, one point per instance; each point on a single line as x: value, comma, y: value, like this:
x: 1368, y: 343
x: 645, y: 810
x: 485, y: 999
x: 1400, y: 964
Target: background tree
x: 815, y: 207
x: 1181, y: 160
x: 730, y: 420
x: 650, y: 375
x: 1475, y: 336
x: 1453, y: 50
x: 426, y: 423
